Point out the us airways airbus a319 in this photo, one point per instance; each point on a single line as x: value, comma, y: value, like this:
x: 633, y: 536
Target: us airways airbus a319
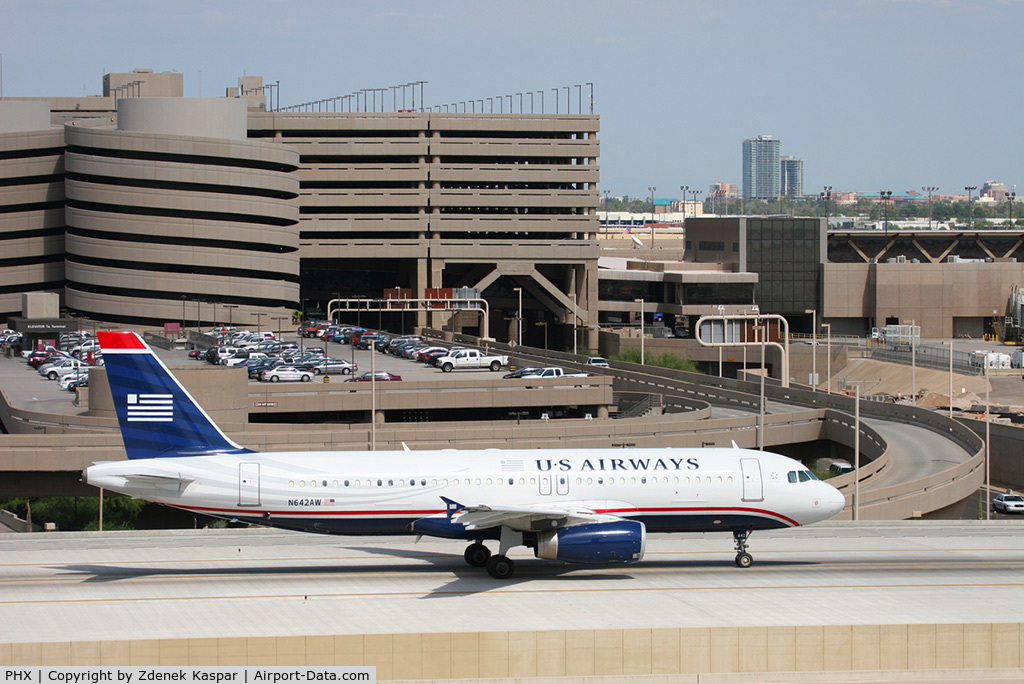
x: 587, y: 506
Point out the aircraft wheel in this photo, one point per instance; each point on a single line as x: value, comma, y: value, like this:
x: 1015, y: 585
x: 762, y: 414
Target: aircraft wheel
x: 500, y: 567
x: 744, y: 560
x: 477, y: 555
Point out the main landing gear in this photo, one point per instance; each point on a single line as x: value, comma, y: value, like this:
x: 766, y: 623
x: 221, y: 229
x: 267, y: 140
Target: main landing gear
x: 499, y: 566
x: 743, y: 559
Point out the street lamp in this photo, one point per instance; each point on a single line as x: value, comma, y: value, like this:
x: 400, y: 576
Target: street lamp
x: 826, y: 196
x: 695, y: 194
x: 950, y: 343
x: 606, y: 214
x: 545, y: 324
x: 970, y: 206
x: 683, y: 189
x: 641, y: 302
x: 930, y: 189
x: 913, y: 362
x: 886, y: 195
x: 652, y: 190
x: 828, y: 354
x: 814, y: 345
x: 231, y: 308
x: 1010, y: 196
x: 259, y: 320
x: 519, y: 317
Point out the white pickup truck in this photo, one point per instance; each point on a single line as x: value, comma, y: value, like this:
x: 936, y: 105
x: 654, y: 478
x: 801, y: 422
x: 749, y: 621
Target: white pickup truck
x: 470, y: 358
x: 554, y: 372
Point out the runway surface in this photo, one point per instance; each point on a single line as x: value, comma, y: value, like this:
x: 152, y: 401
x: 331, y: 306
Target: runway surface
x: 181, y: 584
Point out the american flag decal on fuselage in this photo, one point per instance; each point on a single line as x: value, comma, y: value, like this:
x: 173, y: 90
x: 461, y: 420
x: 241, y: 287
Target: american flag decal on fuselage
x: 150, y: 408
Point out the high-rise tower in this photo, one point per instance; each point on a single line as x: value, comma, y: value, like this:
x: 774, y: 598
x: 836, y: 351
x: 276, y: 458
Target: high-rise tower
x: 761, y: 170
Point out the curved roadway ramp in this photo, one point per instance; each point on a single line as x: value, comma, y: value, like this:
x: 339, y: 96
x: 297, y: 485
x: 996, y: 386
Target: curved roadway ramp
x: 831, y: 597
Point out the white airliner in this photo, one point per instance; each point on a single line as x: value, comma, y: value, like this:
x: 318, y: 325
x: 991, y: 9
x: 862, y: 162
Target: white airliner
x: 590, y: 506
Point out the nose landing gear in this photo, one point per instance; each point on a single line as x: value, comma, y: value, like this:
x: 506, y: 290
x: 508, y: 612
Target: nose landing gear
x: 743, y: 559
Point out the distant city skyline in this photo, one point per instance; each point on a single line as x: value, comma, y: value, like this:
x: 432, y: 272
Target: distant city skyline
x: 874, y: 94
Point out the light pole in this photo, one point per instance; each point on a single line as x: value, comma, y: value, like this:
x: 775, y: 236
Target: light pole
x: 641, y: 302
x: 886, y: 195
x: 913, y: 363
x: 950, y: 343
x: 683, y: 189
x: 826, y: 196
x: 763, y: 330
x: 652, y: 190
x: 259, y: 320
x: 931, y: 211
x: 519, y: 317
x: 545, y: 324
x: 970, y: 206
x: 606, y: 214
x: 279, y: 319
x: 828, y: 354
x: 814, y: 346
x: 231, y: 309
x: 856, y: 452
x: 988, y: 445
x: 1010, y: 196
x: 695, y: 194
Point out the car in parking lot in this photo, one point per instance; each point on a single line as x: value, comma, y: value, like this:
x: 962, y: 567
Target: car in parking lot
x: 74, y: 377
x: 379, y: 376
x: 521, y: 372
x: 330, y: 366
x: 287, y: 374
x: 1008, y: 503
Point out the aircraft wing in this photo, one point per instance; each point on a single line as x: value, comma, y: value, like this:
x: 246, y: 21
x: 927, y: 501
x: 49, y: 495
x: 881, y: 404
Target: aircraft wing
x: 527, y: 518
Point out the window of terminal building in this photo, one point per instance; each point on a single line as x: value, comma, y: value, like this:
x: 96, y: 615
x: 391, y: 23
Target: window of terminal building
x: 711, y: 246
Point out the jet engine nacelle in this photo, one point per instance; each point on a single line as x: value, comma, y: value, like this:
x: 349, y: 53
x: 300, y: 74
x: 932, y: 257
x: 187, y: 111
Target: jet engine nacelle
x: 619, y: 541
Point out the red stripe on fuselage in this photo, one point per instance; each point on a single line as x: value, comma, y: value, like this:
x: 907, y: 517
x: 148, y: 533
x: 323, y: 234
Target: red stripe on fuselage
x: 329, y: 512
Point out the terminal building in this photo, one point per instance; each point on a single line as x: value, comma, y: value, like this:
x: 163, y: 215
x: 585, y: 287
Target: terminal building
x: 147, y: 209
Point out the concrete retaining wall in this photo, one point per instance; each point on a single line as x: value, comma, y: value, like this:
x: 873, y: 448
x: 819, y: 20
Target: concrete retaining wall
x: 575, y: 653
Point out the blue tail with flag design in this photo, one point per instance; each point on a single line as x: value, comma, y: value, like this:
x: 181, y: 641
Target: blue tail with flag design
x: 158, y: 417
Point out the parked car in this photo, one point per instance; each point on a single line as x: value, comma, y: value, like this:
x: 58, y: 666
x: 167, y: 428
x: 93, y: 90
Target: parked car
x: 335, y: 367
x: 471, y: 358
x: 73, y: 378
x: 81, y: 382
x: 380, y: 376
x: 1008, y: 503
x: 287, y: 373
x: 521, y: 372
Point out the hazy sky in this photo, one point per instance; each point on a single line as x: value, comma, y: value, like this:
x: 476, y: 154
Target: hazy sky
x: 871, y: 94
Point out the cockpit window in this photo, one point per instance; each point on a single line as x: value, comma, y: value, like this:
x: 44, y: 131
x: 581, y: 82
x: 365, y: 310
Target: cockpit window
x: 805, y: 476
x: 792, y: 476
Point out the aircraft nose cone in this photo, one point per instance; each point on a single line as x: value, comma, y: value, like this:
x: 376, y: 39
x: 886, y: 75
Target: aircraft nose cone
x: 835, y: 502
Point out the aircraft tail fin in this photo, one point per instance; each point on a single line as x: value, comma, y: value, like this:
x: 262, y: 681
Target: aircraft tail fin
x: 157, y: 416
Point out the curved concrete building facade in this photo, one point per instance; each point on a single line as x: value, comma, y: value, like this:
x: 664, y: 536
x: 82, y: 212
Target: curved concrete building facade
x: 171, y: 227
x: 31, y: 203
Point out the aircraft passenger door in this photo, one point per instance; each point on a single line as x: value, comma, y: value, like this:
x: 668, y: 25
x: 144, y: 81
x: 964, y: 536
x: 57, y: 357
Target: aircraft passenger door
x: 562, y: 484
x: 545, y: 484
x: 248, y: 484
x: 752, y: 489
